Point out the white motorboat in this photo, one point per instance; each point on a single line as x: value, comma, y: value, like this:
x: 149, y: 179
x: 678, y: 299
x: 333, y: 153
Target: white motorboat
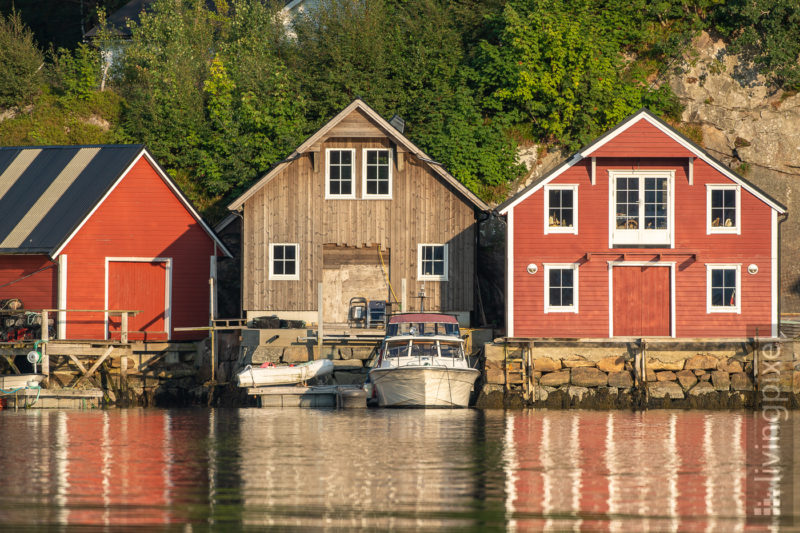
x: 269, y: 374
x: 421, y: 363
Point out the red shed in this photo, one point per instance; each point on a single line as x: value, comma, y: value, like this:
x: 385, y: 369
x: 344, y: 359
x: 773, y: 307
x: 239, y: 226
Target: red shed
x: 99, y: 228
x: 642, y: 234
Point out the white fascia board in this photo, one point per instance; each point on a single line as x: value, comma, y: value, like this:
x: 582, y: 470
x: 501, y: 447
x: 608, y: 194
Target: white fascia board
x: 686, y: 144
x: 577, y: 158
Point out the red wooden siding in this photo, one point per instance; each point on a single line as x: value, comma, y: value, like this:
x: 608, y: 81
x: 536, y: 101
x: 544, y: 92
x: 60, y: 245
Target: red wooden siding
x: 138, y: 286
x: 141, y: 218
x: 531, y: 245
x: 641, y: 301
x: 641, y: 139
x: 38, y: 291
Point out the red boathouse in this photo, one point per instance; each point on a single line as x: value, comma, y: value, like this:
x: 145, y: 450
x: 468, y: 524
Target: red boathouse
x: 642, y: 234
x: 95, y: 228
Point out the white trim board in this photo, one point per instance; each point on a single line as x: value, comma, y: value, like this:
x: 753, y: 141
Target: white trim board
x: 165, y: 178
x: 510, y: 275
x: 613, y: 133
x: 62, y: 296
x: 167, y: 288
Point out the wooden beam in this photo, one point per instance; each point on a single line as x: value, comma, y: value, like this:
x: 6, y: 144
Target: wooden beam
x: 96, y: 365
x: 10, y: 360
x: 315, y: 161
x: 400, y: 161
x: 691, y: 171
x: 594, y: 170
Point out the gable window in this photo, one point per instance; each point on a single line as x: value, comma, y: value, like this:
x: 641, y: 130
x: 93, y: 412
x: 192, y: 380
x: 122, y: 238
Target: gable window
x: 432, y: 262
x: 723, y: 288
x: 561, y: 209
x: 641, y: 207
x: 339, y: 181
x: 283, y: 261
x: 561, y: 288
x: 377, y: 173
x: 722, y: 209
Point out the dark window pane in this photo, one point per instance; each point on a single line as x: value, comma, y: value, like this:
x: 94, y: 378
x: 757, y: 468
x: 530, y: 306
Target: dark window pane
x: 555, y: 278
x: 566, y: 297
x: 555, y: 296
x: 383, y: 157
x: 730, y: 277
x: 290, y: 268
x: 372, y: 187
x: 383, y: 187
x: 277, y: 267
x: 716, y: 198
x: 277, y: 252
x: 716, y: 297
x: 729, y: 300
x: 566, y: 199
x: 335, y: 158
x: 383, y: 173
x: 372, y: 157
x: 566, y: 278
x: 289, y: 252
x: 716, y: 277
x: 438, y: 268
x: 346, y: 188
x: 347, y: 157
x: 438, y: 253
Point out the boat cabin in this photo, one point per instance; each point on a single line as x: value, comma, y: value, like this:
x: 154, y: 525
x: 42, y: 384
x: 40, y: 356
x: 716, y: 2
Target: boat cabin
x: 422, y: 324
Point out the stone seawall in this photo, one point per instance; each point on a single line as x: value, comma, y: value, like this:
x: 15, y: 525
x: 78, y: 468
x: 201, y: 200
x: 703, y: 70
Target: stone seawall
x: 636, y: 374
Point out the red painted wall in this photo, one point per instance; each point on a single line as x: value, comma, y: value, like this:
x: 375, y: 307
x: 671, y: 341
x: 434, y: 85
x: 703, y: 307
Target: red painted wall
x: 140, y: 218
x: 37, y: 291
x: 639, y: 139
x: 592, y: 319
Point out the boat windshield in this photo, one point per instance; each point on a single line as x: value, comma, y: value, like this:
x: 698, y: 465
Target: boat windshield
x: 423, y: 348
x: 422, y: 328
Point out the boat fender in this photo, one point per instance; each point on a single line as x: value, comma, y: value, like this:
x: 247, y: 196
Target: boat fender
x: 267, y: 364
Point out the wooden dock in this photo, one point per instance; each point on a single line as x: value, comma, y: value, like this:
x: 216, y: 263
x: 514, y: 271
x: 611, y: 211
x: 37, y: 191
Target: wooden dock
x: 341, y: 396
x: 32, y: 398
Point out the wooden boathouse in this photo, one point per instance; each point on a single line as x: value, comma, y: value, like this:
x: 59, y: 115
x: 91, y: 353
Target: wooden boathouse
x: 361, y: 210
x: 642, y: 234
x: 91, y: 229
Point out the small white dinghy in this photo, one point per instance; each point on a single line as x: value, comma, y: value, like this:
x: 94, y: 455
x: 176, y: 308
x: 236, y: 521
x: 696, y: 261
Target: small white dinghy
x: 269, y: 374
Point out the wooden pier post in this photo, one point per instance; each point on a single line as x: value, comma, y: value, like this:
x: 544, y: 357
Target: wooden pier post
x: 45, y: 337
x: 320, y: 327
x: 123, y: 335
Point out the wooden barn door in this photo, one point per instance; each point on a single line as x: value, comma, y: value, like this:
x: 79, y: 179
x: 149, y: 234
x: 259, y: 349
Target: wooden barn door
x: 641, y: 301
x: 139, y: 286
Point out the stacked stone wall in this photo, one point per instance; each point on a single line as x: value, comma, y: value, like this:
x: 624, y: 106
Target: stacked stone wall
x: 702, y: 374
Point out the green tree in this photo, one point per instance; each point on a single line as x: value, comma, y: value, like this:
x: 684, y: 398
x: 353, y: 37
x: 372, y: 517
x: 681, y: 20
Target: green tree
x: 207, y: 91
x: 559, y: 67
x: 20, y: 62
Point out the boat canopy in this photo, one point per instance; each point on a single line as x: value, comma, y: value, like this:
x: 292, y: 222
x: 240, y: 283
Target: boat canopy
x: 422, y: 324
x: 423, y: 347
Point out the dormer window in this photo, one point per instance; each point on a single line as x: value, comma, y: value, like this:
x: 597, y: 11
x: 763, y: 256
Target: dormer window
x: 377, y: 173
x: 641, y: 207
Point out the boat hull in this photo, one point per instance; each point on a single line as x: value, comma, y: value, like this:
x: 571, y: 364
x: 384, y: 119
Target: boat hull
x: 283, y: 375
x: 423, y: 386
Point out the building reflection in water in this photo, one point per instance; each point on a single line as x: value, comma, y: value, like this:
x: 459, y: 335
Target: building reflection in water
x: 620, y: 471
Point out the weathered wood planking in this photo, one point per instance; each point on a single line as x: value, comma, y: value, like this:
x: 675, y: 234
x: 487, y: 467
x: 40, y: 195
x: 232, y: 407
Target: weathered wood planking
x: 291, y: 208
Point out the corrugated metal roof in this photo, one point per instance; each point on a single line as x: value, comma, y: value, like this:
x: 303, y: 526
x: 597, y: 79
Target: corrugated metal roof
x: 46, y: 192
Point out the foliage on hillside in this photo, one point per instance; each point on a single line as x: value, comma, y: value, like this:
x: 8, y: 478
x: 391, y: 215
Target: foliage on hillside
x: 220, y: 95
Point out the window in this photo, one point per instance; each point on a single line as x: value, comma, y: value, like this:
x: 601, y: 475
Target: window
x: 283, y: 261
x: 377, y: 173
x: 432, y: 262
x: 723, y: 288
x: 641, y: 204
x: 561, y: 288
x: 339, y: 173
x: 723, y: 208
x: 561, y: 209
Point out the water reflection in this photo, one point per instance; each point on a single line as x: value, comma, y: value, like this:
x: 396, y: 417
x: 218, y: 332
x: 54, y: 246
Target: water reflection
x: 609, y: 471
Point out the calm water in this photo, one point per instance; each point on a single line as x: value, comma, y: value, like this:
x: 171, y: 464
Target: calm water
x: 192, y: 469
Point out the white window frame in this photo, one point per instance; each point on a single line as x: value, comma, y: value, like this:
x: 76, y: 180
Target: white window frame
x: 430, y: 277
x: 621, y: 238
x: 737, y: 230
x: 278, y: 277
x: 364, y: 193
x: 564, y: 308
x: 328, y: 195
x: 557, y: 229
x: 737, y: 309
